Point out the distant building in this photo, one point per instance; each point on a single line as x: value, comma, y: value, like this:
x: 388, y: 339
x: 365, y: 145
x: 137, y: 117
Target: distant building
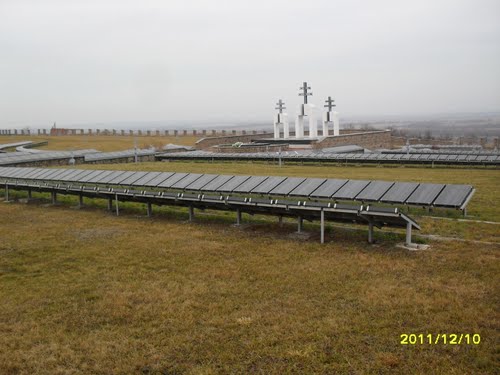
x: 63, y: 131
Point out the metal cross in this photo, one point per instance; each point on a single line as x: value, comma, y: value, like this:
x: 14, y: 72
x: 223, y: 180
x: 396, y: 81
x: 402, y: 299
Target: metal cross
x: 280, y: 106
x: 305, y: 94
x: 329, y: 103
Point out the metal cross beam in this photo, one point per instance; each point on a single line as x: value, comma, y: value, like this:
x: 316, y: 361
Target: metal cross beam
x: 280, y: 106
x: 329, y: 104
x: 304, y: 92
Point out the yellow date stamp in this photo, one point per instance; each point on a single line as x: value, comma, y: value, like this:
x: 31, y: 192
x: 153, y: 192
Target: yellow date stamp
x: 440, y: 339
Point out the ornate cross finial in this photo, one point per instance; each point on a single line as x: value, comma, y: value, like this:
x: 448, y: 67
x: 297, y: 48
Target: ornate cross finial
x: 305, y: 94
x: 329, y: 103
x: 280, y: 106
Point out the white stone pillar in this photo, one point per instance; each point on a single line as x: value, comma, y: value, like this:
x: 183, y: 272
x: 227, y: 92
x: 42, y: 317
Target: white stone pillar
x: 336, y: 125
x: 331, y: 117
x: 299, y: 122
x: 310, y: 110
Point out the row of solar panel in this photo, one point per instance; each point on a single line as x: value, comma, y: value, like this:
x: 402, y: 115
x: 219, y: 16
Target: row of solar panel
x: 448, y: 152
x: 118, y: 154
x: 16, y: 144
x: 336, y: 156
x: 90, y: 155
x: 337, y: 189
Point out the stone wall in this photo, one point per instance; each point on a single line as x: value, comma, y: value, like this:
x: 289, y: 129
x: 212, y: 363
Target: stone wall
x: 369, y: 139
x: 207, y: 143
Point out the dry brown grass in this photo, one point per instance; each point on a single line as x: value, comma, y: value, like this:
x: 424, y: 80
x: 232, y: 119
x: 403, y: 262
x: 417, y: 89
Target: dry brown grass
x: 87, y: 292
x: 83, y: 291
x: 102, y: 142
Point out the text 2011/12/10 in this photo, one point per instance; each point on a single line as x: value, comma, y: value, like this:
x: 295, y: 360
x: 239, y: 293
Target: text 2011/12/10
x: 440, y: 338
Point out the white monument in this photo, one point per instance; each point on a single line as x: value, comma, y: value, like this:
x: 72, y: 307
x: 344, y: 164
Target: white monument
x: 330, y: 117
x: 281, y: 118
x: 309, y: 110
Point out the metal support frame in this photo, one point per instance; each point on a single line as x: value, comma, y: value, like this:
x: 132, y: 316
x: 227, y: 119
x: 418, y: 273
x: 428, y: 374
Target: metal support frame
x: 238, y: 216
x: 408, y: 234
x: 80, y: 201
x: 300, y: 224
x: 117, y: 206
x: 191, y: 213
x: 54, y: 197
x: 149, y: 208
x: 370, y: 232
x: 322, y: 226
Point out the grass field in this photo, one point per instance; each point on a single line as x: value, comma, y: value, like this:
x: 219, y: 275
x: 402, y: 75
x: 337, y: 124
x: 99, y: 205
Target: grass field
x: 101, y: 142
x: 84, y: 291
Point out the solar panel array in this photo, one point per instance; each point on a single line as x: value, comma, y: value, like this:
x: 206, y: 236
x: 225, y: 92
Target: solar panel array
x: 14, y: 158
x: 118, y: 154
x: 369, y: 157
x: 411, y: 193
x: 15, y: 144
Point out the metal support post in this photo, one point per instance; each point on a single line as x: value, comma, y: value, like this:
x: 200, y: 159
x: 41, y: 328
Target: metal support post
x: 238, y: 217
x: 80, y: 201
x: 150, y: 209
x: 408, y: 234
x: 54, y: 197
x: 322, y: 226
x: 370, y: 232
x: 29, y: 194
x: 117, y: 205
x: 300, y: 222
x: 6, y: 192
x: 110, y: 204
x: 191, y: 213
x: 280, y: 220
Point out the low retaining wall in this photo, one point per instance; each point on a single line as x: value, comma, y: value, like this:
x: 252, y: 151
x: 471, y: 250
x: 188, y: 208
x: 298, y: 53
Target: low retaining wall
x: 369, y: 139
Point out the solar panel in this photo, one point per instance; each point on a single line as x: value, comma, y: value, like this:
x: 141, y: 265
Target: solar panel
x: 351, y: 189
x: 190, y: 178
x: 70, y: 176
x: 84, y: 172
x: 172, y: 180
x: 118, y: 180
x: 268, y: 185
x: 307, y: 187
x: 100, y: 177
x: 232, y: 184
x: 159, y: 179
x: 109, y: 177
x: 49, y: 173
x: 21, y: 172
x: 399, y: 192
x: 131, y: 179
x: 250, y: 184
x: 200, y: 182
x: 217, y: 182
x: 425, y: 194
x: 374, y: 191
x: 287, y: 186
x: 327, y: 189
x: 90, y: 176
x: 146, y: 178
x: 64, y: 173
x: 453, y: 196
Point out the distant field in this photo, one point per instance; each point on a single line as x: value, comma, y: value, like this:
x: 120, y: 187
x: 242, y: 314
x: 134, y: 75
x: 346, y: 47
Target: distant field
x: 86, y: 291
x: 102, y: 142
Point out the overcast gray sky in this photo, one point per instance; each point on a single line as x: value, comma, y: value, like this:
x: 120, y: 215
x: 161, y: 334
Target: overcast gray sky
x: 113, y: 60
